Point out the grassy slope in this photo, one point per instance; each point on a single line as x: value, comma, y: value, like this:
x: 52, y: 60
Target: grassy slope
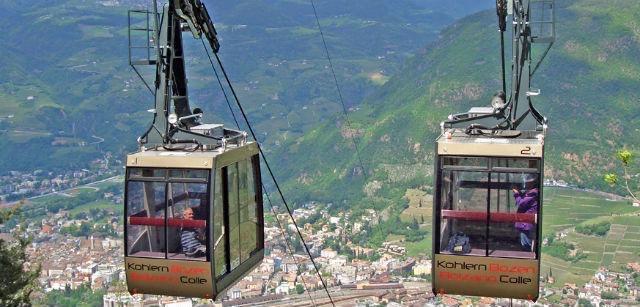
x: 565, y: 209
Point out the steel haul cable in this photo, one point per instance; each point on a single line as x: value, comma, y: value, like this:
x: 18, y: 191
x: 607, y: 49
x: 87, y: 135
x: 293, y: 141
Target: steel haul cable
x: 215, y: 71
x: 264, y: 158
x: 335, y: 79
x: 344, y: 108
x: 284, y: 237
x: 288, y: 246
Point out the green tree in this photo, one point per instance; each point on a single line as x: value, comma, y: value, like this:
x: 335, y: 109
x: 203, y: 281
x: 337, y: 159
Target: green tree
x: 599, y: 229
x: 414, y: 224
x: 85, y: 229
x: 16, y: 284
x: 583, y: 302
x: 82, y: 296
x: 299, y: 288
x: 625, y: 157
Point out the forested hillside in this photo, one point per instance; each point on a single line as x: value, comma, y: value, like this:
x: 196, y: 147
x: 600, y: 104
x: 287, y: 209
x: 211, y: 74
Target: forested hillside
x: 589, y: 85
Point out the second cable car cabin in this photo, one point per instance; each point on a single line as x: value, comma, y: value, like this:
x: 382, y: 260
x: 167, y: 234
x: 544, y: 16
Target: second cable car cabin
x: 487, y: 215
x: 489, y: 162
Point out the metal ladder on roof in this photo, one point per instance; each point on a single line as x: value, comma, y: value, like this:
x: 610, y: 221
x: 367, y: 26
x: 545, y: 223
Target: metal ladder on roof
x: 142, y: 37
x: 542, y: 21
x: 143, y: 40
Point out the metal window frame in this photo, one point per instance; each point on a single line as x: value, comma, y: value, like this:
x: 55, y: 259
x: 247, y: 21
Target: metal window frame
x: 440, y: 168
x: 166, y: 180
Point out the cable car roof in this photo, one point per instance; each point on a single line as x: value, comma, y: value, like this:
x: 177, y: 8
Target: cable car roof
x: 194, y: 159
x: 456, y: 142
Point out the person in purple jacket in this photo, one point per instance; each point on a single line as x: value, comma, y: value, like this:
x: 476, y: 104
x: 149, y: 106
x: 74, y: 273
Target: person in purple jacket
x: 526, y: 202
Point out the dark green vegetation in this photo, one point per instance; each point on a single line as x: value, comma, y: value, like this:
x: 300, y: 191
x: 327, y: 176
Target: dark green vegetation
x: 66, y: 84
x: 583, y: 302
x: 410, y: 232
x: 599, y: 229
x: 17, y: 281
x: 609, y: 295
x: 82, y: 296
x: 563, y: 250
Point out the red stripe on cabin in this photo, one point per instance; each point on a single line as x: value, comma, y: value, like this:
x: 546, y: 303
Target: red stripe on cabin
x: 171, y: 222
x: 495, y: 216
x: 513, y: 217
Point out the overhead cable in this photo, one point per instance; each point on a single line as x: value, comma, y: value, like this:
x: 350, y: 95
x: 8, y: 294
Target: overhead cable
x: 266, y: 162
x: 275, y: 215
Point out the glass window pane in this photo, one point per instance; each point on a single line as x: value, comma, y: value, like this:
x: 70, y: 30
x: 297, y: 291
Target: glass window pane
x: 247, y: 232
x: 219, y: 230
x: 145, y: 219
x: 147, y: 173
x: 463, y: 213
x: 516, y: 163
x: 466, y: 161
x: 189, y: 173
x: 252, y: 206
x: 514, y: 208
x: 187, y: 231
x: 234, y: 216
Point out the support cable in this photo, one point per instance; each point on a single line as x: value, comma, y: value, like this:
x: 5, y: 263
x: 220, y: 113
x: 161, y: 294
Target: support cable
x: 504, y: 79
x: 264, y: 158
x: 152, y: 92
x: 344, y: 108
x: 284, y: 237
x: 215, y: 71
x: 335, y: 79
x: 275, y: 215
x: 501, y: 10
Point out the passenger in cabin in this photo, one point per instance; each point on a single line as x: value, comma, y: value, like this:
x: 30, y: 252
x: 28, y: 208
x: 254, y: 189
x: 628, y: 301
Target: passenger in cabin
x: 526, y: 202
x: 191, y: 239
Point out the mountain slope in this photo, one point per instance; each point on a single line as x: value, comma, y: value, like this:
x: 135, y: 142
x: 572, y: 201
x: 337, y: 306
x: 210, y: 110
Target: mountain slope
x: 66, y: 82
x: 589, y: 85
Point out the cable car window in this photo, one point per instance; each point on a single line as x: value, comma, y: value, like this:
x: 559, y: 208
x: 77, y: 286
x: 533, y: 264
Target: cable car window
x: 219, y: 230
x: 463, y: 211
x: 466, y: 161
x: 189, y: 174
x: 165, y: 218
x: 252, y: 225
x: 146, y: 216
x: 234, y: 216
x: 515, y: 165
x: 513, y: 219
x: 187, y: 231
x: 490, y: 213
x: 243, y: 207
x: 147, y: 172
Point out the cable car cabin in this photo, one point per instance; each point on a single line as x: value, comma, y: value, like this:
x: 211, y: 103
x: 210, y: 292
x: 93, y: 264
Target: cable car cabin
x: 487, y: 214
x: 194, y: 220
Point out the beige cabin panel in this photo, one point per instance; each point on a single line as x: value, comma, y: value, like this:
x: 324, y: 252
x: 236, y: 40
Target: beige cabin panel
x: 491, y: 149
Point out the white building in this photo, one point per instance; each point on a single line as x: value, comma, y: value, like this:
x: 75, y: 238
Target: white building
x: 328, y: 253
x: 283, y: 288
x: 422, y: 268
